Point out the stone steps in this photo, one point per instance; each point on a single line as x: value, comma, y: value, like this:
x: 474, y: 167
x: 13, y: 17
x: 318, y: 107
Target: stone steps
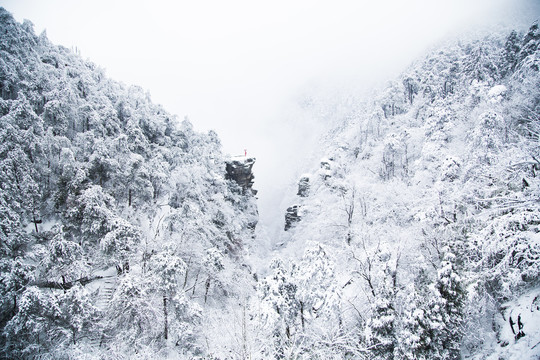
x: 104, y: 297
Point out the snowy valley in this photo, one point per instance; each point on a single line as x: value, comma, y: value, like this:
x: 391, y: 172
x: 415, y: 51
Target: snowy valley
x: 413, y: 233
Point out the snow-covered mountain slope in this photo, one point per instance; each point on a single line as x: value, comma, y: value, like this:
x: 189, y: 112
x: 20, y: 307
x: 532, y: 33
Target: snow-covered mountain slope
x: 126, y: 234
x: 423, y: 212
x: 93, y: 176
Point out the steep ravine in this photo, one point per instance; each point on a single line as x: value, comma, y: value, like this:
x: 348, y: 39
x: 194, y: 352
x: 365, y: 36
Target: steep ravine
x: 410, y: 232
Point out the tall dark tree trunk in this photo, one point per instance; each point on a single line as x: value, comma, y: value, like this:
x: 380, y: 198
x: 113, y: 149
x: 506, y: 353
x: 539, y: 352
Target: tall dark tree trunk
x: 244, y: 332
x: 302, y: 315
x: 206, y: 291
x: 35, y: 223
x: 195, y: 284
x: 165, y: 320
x: 186, y: 275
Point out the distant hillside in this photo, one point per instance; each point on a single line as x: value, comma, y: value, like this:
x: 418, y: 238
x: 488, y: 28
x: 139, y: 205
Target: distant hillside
x: 420, y: 225
x: 119, y: 223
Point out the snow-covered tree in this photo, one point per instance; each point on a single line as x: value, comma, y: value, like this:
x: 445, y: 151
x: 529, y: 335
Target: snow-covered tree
x: 446, y: 310
x: 120, y: 242
x: 380, y: 331
x: 317, y: 291
x: 415, y: 333
x: 279, y: 306
x: 510, y: 53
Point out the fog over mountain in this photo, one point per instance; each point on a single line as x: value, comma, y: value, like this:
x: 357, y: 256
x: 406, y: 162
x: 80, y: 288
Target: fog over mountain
x: 257, y: 181
x: 241, y: 68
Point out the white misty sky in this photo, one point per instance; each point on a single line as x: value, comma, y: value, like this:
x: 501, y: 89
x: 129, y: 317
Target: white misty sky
x: 234, y: 66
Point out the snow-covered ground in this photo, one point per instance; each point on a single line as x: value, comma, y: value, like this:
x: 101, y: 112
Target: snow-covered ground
x: 527, y: 347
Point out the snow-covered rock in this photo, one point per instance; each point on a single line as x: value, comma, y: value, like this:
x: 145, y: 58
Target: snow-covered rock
x: 239, y: 169
x: 303, y: 186
x: 292, y: 216
x: 497, y: 93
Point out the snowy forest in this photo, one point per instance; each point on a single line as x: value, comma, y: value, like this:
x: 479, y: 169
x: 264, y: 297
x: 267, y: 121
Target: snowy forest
x: 414, y: 232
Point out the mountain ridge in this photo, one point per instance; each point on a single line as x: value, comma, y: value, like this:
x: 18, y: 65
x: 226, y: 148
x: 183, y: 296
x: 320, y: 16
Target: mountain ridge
x: 95, y: 177
x: 413, y: 199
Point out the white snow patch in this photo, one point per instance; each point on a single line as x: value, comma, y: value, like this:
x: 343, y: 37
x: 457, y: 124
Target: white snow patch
x: 242, y: 158
x: 44, y: 226
x: 109, y: 272
x: 497, y: 93
x: 497, y: 90
x: 325, y: 161
x: 527, y: 347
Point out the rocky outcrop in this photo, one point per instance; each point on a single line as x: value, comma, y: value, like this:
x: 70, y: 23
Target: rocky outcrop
x: 326, y: 168
x: 292, y: 216
x: 240, y: 170
x: 293, y: 213
x: 303, y: 186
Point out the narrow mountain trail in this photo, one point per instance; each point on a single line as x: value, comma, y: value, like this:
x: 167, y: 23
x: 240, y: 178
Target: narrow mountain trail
x: 105, y: 294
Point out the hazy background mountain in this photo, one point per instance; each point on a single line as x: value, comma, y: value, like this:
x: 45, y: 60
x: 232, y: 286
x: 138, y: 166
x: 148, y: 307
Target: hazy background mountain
x: 241, y: 68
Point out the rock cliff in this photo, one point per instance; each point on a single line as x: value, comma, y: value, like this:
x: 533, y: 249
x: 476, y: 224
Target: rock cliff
x: 292, y: 216
x: 240, y: 169
x: 303, y: 186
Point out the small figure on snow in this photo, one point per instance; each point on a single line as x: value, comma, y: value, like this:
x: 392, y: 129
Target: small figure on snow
x: 520, y: 333
x: 535, y: 305
x: 512, y: 325
x: 245, y: 152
